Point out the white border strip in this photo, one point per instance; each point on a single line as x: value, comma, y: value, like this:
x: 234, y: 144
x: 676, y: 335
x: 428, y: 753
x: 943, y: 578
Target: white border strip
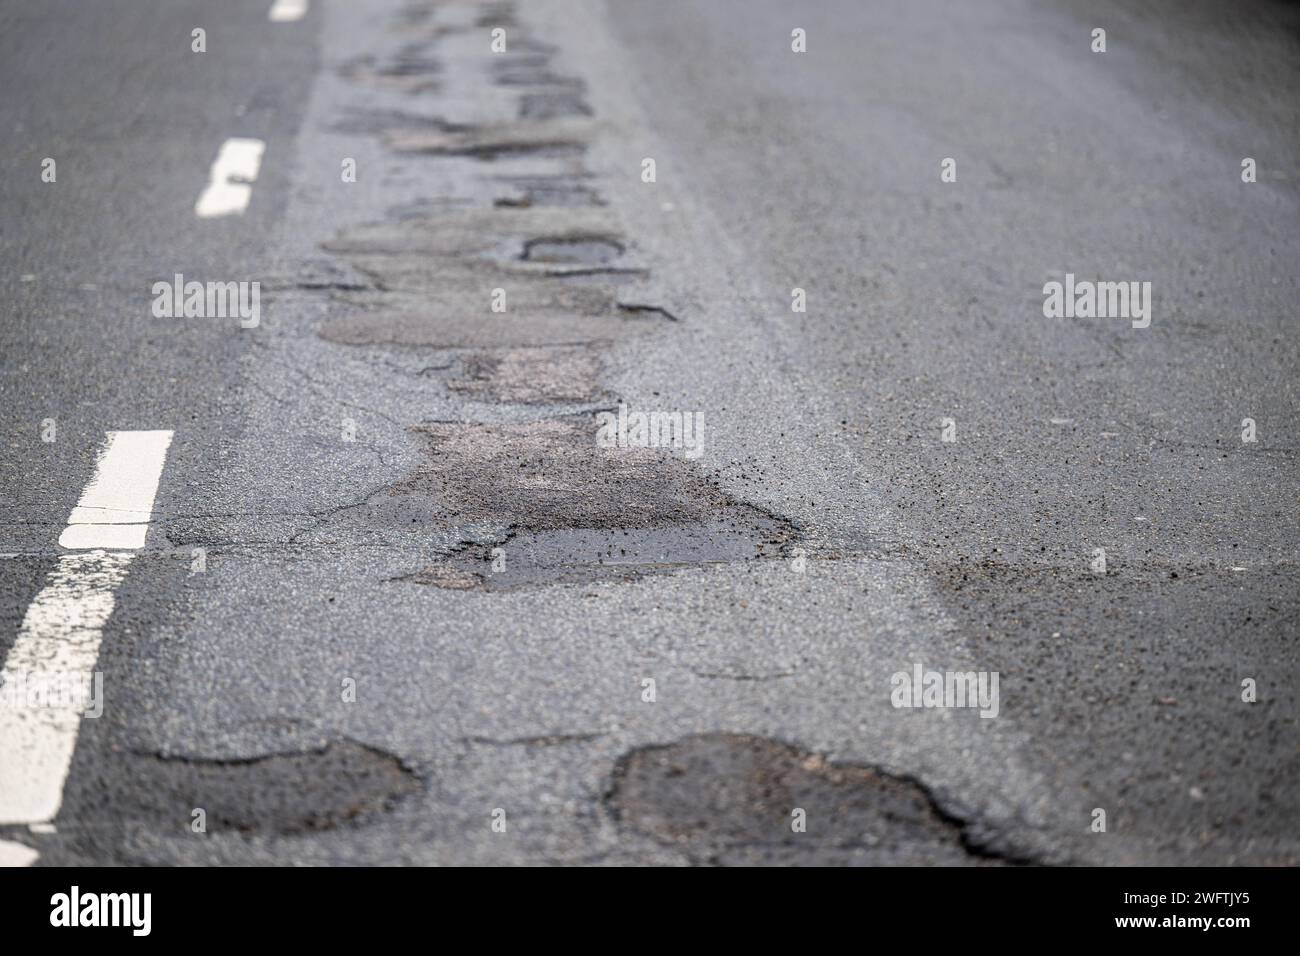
x: 61, y: 632
x: 115, y: 508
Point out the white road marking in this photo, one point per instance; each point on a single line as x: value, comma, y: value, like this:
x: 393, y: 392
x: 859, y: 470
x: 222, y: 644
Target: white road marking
x: 230, y: 181
x: 58, y: 642
x: 284, y: 11
x: 16, y: 854
x: 115, y: 508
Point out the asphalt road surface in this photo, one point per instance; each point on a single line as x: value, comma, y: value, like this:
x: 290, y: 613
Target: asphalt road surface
x: 382, y: 569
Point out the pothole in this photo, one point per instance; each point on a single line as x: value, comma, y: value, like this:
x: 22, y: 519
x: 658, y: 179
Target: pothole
x: 467, y: 234
x: 642, y: 309
x: 380, y: 121
x: 531, y: 376
x: 567, y: 510
x: 501, y: 15
x: 541, y: 137
x: 397, y: 75
x: 449, y: 322
x: 527, y: 75
x: 576, y: 250
x: 580, y: 555
x: 431, y: 279
x: 550, y: 474
x: 343, y: 783
x: 733, y: 798
x: 549, y: 191
x: 552, y: 105
x: 410, y: 62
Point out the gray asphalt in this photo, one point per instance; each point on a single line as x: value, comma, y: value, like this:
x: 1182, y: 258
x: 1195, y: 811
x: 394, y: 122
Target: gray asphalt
x: 369, y: 560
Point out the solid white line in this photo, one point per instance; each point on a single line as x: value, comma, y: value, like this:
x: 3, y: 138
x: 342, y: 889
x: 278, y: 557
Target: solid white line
x: 115, y: 508
x: 16, y: 854
x: 229, y: 188
x: 57, y: 646
x: 285, y: 11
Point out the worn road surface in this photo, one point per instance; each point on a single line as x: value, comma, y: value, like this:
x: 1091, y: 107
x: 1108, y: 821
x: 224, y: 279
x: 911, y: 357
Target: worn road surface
x: 391, y: 576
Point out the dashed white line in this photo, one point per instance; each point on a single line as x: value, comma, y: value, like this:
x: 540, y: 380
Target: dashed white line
x: 229, y: 188
x: 285, y: 11
x: 114, y: 509
x: 60, y: 635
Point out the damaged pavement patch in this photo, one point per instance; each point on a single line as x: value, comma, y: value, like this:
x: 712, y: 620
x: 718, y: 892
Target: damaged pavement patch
x: 551, y: 474
x: 311, y: 790
x: 594, y: 317
x: 570, y: 510
x: 529, y: 137
x: 432, y: 279
x: 579, y: 555
x: 732, y: 798
x: 531, y: 376
x: 548, y: 191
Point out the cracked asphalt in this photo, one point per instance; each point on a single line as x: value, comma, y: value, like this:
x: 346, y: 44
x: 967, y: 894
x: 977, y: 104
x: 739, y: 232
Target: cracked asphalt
x: 436, y: 622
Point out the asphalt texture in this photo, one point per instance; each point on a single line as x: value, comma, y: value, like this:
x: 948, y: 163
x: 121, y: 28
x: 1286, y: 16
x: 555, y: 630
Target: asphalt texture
x: 672, y: 653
